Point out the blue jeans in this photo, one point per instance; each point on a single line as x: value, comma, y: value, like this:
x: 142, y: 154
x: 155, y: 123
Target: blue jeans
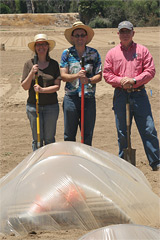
x: 140, y: 109
x: 72, y: 117
x: 48, y: 120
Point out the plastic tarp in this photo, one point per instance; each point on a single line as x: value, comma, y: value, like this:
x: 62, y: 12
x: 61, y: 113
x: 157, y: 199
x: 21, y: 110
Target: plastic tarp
x: 123, y: 232
x: 68, y: 185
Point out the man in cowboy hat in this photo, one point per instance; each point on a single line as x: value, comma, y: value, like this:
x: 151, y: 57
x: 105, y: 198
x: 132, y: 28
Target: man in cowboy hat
x: 70, y: 66
x: 47, y: 87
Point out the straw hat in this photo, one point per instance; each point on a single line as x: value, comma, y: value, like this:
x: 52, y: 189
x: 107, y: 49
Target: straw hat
x: 40, y: 38
x: 79, y: 24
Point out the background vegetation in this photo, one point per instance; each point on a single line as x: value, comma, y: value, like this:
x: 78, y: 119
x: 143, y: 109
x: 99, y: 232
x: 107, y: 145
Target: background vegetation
x: 96, y: 13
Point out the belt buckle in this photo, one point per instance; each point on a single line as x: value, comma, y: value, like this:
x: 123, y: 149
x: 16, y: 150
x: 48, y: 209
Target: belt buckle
x: 134, y: 90
x: 138, y: 90
x: 130, y: 90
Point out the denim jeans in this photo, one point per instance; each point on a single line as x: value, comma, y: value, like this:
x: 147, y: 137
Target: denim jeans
x: 48, y: 120
x: 140, y: 109
x: 72, y: 117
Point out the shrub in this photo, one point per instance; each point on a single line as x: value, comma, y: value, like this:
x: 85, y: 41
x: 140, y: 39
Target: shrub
x: 100, y: 22
x: 4, y: 9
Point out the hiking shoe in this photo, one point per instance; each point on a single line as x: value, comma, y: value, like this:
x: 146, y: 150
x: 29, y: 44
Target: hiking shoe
x: 157, y: 168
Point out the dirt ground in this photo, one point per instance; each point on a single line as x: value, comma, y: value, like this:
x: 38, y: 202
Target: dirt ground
x: 15, y: 133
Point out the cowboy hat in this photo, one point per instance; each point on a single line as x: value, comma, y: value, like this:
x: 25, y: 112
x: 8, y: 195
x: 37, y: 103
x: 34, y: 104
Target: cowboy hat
x: 41, y: 38
x: 76, y: 25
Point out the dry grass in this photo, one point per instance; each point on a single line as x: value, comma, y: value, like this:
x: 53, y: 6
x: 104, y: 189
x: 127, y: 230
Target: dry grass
x: 29, y: 20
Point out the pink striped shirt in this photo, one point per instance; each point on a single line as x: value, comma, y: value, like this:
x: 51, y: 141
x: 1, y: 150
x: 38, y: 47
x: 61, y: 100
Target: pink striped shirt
x: 136, y: 62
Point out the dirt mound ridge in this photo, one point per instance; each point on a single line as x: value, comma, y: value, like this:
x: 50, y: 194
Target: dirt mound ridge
x: 32, y: 19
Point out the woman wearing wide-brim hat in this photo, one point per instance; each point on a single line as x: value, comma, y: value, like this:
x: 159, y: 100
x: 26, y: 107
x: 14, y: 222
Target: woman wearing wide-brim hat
x: 79, y: 35
x: 47, y: 87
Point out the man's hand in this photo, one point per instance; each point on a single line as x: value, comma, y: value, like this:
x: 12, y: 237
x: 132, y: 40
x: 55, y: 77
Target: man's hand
x: 82, y: 74
x: 84, y: 80
x: 82, y: 77
x: 127, y: 82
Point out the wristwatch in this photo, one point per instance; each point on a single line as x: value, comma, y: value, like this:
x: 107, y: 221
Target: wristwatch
x: 89, y: 80
x: 134, y: 80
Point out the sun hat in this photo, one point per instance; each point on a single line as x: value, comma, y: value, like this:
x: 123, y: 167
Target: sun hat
x: 76, y: 25
x: 40, y: 38
x: 125, y: 24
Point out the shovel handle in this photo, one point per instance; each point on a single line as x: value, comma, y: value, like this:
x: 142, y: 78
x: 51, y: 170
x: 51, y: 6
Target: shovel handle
x: 129, y: 153
x: 37, y: 104
x: 128, y: 124
x: 82, y: 105
x: 127, y: 114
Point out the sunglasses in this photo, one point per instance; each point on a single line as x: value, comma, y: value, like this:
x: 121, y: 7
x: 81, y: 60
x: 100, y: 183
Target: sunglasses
x: 41, y: 44
x: 81, y: 35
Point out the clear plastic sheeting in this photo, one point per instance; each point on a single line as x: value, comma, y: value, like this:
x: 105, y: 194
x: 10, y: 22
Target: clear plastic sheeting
x: 123, y: 232
x: 70, y: 185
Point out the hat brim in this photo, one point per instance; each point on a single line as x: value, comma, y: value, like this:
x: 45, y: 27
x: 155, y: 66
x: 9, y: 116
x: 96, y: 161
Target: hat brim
x: 51, y: 43
x: 129, y: 28
x: 68, y: 33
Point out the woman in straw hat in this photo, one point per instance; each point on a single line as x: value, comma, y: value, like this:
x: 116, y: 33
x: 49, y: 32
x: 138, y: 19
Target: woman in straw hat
x: 70, y: 66
x: 47, y: 87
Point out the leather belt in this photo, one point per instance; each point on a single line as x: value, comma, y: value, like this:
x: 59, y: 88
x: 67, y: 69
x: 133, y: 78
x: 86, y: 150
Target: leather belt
x: 132, y: 89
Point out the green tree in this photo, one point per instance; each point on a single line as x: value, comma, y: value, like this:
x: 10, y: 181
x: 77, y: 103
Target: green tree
x: 154, y: 16
x: 4, y: 9
x: 89, y: 9
x: 114, y: 11
x: 140, y: 13
x: 73, y: 6
x: 10, y: 4
x: 17, y: 3
x: 23, y: 6
x: 95, y: 12
x: 51, y: 6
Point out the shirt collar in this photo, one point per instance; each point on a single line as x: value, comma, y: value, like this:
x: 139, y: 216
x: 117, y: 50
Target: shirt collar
x: 73, y: 49
x: 130, y: 47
